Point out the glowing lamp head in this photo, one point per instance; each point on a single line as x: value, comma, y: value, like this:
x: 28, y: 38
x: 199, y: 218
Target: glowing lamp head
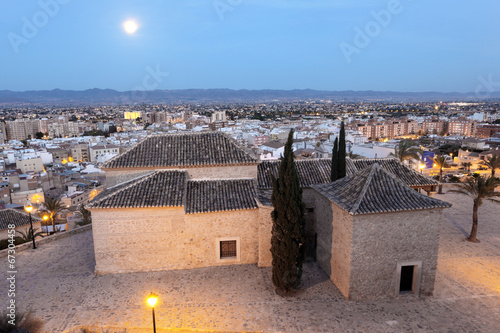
x: 28, y: 208
x: 152, y: 299
x: 421, y: 166
x: 45, y: 217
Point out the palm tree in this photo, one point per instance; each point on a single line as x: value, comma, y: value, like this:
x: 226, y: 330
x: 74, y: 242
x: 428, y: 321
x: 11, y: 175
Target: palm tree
x: 493, y: 163
x: 467, y: 166
x: 52, y: 207
x: 405, y: 150
x: 86, y: 216
x: 26, y: 236
x: 440, y: 161
x: 478, y: 188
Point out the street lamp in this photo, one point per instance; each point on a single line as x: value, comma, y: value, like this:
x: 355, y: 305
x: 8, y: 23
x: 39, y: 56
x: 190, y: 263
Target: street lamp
x: 46, y: 218
x: 152, y: 299
x: 421, y: 166
x: 28, y: 207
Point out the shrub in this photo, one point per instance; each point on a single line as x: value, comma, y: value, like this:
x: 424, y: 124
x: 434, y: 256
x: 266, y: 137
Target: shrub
x: 4, y: 243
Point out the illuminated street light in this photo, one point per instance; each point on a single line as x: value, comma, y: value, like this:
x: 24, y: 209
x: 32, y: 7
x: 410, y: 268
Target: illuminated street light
x: 29, y: 207
x: 45, y: 217
x: 421, y: 166
x: 152, y: 299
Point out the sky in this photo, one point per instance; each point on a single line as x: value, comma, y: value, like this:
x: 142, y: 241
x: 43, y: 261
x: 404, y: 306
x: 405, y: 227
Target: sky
x: 397, y: 45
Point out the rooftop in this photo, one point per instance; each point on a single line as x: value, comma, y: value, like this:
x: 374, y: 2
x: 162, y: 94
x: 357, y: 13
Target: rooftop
x: 183, y: 150
x: 314, y: 171
x: 171, y: 188
x: 16, y: 217
x: 402, y: 172
x: 220, y: 195
x: 157, y: 189
x: 375, y: 190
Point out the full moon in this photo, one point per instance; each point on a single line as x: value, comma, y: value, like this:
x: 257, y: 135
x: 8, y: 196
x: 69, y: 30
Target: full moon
x: 130, y: 26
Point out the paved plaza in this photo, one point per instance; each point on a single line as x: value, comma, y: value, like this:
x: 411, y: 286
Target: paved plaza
x: 57, y: 283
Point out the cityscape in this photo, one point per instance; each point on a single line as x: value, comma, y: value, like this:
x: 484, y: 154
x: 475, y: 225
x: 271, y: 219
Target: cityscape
x: 355, y: 194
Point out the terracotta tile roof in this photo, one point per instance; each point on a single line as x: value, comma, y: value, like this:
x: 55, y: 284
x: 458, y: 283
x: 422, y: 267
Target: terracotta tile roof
x: 314, y: 171
x: 182, y: 150
x: 374, y: 190
x: 402, y: 172
x: 16, y: 217
x: 205, y: 196
x: 158, y: 189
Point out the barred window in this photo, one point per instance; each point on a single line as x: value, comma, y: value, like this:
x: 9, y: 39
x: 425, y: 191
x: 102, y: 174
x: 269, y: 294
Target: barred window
x: 228, y: 249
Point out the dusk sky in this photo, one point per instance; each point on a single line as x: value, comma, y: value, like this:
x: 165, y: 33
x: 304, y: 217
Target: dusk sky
x: 405, y: 45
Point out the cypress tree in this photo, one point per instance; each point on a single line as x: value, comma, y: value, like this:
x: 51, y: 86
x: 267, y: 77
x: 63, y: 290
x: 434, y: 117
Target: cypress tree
x: 334, y: 175
x: 288, y: 233
x: 342, y: 153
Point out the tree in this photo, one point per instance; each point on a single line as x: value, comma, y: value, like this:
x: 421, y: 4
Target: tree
x: 51, y: 207
x: 441, y: 163
x: 405, y: 151
x: 466, y: 166
x: 86, y: 216
x: 39, y: 135
x: 334, y: 174
x: 27, y: 236
x: 493, y: 163
x: 112, y: 129
x: 342, y: 152
x: 288, y: 232
x: 478, y: 188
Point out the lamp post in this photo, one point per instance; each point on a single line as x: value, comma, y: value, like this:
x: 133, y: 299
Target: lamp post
x: 46, y: 218
x: 421, y: 166
x: 152, y: 299
x: 28, y: 207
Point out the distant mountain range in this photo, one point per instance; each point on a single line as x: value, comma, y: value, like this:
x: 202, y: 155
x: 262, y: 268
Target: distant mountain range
x: 113, y: 97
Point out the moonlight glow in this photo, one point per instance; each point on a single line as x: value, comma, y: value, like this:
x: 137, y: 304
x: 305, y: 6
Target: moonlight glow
x: 130, y: 26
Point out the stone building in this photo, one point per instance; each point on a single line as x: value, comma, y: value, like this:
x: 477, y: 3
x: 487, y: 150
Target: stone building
x: 376, y: 236
x: 181, y: 201
x: 167, y: 221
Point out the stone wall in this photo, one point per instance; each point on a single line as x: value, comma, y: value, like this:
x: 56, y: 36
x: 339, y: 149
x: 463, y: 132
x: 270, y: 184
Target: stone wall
x: 114, y: 177
x: 380, y: 241
x: 224, y: 172
x: 265, y: 233
x: 40, y: 242
x: 117, y: 176
x: 150, y: 239
x: 4, y: 234
x: 334, y: 229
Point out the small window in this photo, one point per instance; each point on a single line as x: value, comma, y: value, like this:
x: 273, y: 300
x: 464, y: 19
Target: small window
x: 228, y: 249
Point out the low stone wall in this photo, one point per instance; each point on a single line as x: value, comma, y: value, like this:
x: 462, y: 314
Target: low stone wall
x: 46, y: 240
